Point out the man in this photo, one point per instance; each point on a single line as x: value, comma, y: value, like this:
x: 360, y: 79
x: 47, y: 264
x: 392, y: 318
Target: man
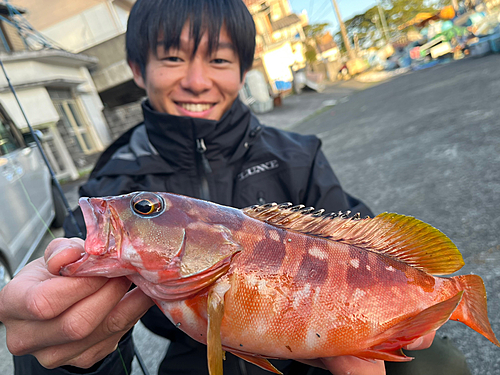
x: 197, y: 139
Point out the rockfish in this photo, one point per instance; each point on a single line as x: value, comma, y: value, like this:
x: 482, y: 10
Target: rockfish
x: 276, y: 281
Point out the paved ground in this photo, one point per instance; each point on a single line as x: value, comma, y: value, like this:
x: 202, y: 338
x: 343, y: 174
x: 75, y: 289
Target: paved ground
x: 425, y: 144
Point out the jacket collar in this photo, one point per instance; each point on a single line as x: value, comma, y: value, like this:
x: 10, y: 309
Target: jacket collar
x: 175, y: 137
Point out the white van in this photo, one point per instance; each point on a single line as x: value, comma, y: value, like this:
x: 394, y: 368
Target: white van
x: 26, y: 199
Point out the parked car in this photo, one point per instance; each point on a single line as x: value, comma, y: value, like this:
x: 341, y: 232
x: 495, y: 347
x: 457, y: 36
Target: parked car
x: 28, y: 201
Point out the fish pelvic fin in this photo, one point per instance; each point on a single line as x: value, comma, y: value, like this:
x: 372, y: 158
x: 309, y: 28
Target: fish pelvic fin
x: 400, y: 237
x: 408, y: 330
x: 473, y: 310
x: 258, y: 361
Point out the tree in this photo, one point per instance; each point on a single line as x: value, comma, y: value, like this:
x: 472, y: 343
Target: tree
x: 368, y: 27
x: 313, y: 32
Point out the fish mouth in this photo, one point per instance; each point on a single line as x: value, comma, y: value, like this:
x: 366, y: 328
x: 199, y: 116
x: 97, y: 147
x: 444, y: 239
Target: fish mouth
x: 102, y: 244
x: 97, y: 220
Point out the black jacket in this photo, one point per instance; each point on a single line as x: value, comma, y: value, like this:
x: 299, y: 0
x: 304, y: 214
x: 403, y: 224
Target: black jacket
x: 235, y: 161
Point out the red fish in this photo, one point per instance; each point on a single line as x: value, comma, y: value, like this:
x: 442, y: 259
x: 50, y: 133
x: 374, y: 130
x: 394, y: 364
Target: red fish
x: 277, y: 281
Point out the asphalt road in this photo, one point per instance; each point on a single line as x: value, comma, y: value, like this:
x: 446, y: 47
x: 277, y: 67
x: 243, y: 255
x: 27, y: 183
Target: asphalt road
x: 425, y: 144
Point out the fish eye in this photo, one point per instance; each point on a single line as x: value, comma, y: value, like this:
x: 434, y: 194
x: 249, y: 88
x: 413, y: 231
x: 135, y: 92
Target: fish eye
x: 147, y: 205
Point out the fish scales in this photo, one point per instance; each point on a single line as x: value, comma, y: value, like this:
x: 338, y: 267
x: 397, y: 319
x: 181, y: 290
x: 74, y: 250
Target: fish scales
x: 280, y: 281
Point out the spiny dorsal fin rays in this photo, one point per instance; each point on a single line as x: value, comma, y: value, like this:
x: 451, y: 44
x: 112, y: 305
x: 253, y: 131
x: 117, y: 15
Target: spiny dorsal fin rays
x: 401, y: 237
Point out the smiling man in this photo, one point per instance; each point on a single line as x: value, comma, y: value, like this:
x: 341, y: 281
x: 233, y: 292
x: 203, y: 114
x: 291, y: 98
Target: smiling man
x: 197, y: 139
x: 183, y: 79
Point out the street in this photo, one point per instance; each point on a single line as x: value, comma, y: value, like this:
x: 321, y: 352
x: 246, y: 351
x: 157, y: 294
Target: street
x: 425, y: 144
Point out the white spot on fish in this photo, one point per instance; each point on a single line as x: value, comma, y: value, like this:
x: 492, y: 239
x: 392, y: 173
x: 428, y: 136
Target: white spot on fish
x: 274, y: 235
x: 311, y: 338
x: 354, y: 263
x: 368, y: 267
x: 301, y: 295
x: 390, y: 268
x: 317, y: 253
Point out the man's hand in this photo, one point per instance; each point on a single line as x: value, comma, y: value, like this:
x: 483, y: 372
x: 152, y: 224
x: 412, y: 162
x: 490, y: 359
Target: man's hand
x: 345, y: 365
x: 67, y: 320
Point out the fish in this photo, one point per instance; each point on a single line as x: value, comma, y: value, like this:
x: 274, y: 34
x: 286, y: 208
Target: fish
x: 278, y: 281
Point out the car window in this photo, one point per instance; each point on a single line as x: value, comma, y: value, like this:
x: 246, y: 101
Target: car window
x: 8, y: 142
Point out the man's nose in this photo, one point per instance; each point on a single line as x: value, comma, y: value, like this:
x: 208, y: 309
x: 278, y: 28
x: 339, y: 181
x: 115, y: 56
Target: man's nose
x: 197, y: 78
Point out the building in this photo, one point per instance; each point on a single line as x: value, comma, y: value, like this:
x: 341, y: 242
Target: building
x: 94, y: 28
x: 56, y: 91
x: 280, y: 40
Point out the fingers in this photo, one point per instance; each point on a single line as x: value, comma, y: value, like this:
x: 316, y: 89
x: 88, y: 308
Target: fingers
x: 103, y: 340
x: 344, y: 365
x: 73, y: 355
x: 74, y: 324
x: 36, y: 294
x: 422, y: 342
x: 130, y: 309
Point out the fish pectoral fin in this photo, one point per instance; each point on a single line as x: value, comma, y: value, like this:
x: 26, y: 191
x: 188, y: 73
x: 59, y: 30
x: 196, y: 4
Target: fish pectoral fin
x: 258, y: 361
x: 407, y: 331
x: 215, y: 312
x: 214, y: 343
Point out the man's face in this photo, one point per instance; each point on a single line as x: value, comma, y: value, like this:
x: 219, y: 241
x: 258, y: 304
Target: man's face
x: 200, y: 85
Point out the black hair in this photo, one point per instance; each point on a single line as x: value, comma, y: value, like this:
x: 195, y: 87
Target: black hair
x: 151, y: 18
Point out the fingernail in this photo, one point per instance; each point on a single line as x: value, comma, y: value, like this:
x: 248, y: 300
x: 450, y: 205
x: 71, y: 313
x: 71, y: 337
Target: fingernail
x: 53, y: 252
x: 415, y: 344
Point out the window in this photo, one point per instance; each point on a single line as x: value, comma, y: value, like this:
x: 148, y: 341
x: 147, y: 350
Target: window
x: 73, y: 120
x: 7, y: 141
x: 10, y: 136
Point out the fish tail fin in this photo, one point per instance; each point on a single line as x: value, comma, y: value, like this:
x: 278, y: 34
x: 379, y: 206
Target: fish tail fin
x: 473, y: 310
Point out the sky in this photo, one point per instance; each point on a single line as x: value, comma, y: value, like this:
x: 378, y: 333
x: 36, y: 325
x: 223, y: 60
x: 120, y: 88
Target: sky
x: 320, y: 11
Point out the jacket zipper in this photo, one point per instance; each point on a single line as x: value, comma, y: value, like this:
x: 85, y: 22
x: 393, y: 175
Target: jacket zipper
x: 205, y: 170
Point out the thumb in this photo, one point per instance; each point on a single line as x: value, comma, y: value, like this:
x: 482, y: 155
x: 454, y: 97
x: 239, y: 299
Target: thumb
x: 61, y: 252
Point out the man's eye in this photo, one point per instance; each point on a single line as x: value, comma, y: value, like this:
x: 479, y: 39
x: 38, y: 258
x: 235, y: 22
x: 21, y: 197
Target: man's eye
x: 219, y: 61
x: 172, y: 59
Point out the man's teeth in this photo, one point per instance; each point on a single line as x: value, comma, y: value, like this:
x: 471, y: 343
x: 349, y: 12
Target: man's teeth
x: 195, y: 107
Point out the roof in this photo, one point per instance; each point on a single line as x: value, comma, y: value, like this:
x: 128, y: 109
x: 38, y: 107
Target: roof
x: 51, y: 56
x: 4, y: 10
x: 289, y: 20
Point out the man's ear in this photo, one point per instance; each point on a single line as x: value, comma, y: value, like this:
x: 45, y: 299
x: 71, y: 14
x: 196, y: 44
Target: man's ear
x: 136, y: 71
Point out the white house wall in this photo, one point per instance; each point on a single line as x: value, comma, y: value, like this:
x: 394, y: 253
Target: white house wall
x: 36, y: 104
x: 277, y: 63
x: 90, y: 27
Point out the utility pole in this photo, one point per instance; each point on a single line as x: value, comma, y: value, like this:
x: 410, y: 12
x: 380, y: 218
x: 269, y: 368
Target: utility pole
x: 383, y: 20
x: 347, y: 43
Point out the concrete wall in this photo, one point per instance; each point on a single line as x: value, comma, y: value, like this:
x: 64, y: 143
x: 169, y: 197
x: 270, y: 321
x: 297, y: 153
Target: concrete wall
x: 30, y: 71
x: 112, y: 68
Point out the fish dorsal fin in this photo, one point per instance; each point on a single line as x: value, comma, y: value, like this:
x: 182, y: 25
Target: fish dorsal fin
x: 403, y: 238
